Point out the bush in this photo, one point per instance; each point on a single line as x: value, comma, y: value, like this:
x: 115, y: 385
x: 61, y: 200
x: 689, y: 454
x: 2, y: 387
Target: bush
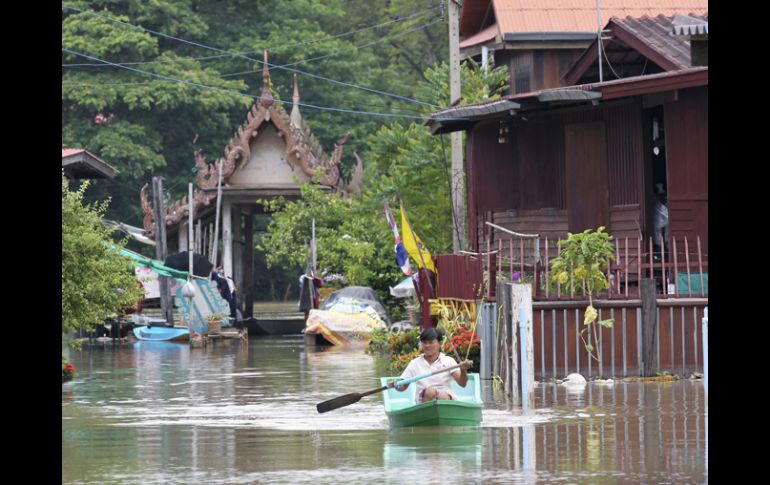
x: 68, y: 371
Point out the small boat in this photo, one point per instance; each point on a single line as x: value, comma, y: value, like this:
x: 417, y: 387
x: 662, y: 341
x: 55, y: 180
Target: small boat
x: 173, y: 334
x: 463, y: 411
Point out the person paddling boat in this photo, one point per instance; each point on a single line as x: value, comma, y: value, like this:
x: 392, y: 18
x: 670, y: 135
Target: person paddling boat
x: 438, y: 386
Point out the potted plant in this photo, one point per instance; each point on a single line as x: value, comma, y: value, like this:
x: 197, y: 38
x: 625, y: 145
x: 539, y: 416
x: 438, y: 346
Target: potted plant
x: 581, y: 265
x: 214, y: 322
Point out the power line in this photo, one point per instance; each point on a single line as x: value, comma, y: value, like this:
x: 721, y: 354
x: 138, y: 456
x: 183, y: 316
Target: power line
x: 231, y: 91
x: 327, y: 39
x: 383, y: 39
x: 363, y: 88
x: 95, y: 84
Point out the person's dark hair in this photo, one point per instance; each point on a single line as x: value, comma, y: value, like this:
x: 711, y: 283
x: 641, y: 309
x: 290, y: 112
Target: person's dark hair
x: 431, y: 334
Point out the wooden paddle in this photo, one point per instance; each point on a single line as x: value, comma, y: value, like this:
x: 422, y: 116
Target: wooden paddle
x: 354, y: 397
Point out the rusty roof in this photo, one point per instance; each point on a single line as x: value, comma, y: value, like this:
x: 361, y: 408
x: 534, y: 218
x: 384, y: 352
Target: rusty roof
x: 66, y: 152
x: 80, y: 163
x: 530, y: 16
x: 656, y: 33
x: 635, y: 46
x: 447, y: 119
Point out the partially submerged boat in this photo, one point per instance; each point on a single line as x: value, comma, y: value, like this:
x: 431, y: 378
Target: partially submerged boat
x: 162, y: 333
x: 347, y: 317
x: 403, y: 411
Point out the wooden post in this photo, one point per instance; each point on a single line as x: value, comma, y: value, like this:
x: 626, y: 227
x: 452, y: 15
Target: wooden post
x: 166, y: 301
x: 248, y: 265
x: 182, y: 237
x: 214, y: 251
x: 510, y: 343
x: 199, y: 237
x: 227, y: 238
x: 238, y: 248
x: 649, y: 317
x: 521, y: 298
x: 547, y: 262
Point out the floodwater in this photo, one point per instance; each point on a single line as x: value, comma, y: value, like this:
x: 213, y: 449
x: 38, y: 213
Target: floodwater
x: 162, y: 413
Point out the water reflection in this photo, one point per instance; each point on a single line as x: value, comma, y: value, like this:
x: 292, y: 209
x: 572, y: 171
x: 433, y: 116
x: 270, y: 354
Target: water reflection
x: 165, y: 413
x: 435, y: 453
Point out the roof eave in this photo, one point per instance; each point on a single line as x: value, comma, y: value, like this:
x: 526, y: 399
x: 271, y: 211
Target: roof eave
x: 547, y: 36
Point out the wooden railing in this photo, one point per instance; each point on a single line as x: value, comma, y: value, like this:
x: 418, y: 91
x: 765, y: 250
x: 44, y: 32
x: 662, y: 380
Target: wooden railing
x: 680, y: 269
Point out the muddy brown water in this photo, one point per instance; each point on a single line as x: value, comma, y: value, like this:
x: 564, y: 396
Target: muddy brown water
x: 155, y: 412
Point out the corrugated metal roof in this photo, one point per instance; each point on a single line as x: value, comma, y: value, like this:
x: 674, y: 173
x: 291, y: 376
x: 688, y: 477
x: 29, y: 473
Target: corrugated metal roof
x: 484, y: 36
x: 609, y: 90
x: 656, y: 34
x: 66, y: 152
x: 690, y: 25
x: 580, y: 15
x: 81, y: 163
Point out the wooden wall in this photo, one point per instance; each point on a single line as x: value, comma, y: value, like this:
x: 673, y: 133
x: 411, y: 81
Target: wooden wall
x: 686, y: 122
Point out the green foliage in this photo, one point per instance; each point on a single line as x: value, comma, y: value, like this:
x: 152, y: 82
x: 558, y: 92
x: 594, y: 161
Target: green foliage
x: 584, y: 258
x: 68, y: 371
x: 406, y: 163
x: 350, y: 239
x: 147, y: 126
x: 400, y: 347
x: 97, y: 282
x: 582, y: 263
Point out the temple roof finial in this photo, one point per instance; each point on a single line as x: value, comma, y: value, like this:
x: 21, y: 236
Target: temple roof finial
x: 266, y: 98
x: 296, y: 117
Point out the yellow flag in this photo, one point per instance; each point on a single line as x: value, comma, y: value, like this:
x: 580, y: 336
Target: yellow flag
x: 414, y: 246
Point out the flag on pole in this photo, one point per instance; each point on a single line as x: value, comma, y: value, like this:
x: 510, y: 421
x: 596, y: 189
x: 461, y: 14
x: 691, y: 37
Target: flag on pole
x: 414, y: 245
x: 402, y: 258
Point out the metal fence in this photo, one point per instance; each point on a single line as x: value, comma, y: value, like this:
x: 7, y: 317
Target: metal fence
x: 559, y: 350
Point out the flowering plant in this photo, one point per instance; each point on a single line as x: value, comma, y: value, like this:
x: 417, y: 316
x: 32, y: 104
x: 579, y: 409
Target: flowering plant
x: 398, y: 362
x: 68, y: 371
x: 466, y: 344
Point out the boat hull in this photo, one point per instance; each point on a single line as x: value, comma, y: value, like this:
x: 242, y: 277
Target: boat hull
x: 166, y: 334
x: 437, y: 413
x: 402, y: 411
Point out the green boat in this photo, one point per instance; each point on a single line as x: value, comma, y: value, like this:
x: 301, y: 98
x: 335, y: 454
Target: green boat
x: 463, y: 411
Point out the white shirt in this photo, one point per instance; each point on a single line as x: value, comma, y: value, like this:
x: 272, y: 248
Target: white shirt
x: 441, y: 381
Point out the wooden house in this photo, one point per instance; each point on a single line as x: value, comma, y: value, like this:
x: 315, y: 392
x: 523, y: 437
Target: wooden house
x: 551, y: 161
x: 567, y: 159
x: 539, y: 40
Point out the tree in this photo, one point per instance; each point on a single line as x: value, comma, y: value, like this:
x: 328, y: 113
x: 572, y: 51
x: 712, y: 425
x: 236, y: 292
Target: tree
x: 409, y: 164
x: 404, y: 162
x: 350, y: 239
x: 97, y: 282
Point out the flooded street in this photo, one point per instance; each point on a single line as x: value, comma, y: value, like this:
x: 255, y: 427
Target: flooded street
x: 156, y: 412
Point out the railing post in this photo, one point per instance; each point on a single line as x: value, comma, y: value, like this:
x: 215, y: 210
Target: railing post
x: 649, y: 327
x: 488, y: 339
x: 705, y: 339
x: 527, y: 358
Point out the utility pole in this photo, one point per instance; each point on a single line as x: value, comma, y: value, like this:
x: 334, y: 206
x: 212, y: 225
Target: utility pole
x: 166, y: 302
x: 458, y: 172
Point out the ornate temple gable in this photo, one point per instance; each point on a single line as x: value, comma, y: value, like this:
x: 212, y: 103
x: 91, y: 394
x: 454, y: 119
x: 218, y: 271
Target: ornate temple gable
x: 302, y: 151
x: 176, y: 212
